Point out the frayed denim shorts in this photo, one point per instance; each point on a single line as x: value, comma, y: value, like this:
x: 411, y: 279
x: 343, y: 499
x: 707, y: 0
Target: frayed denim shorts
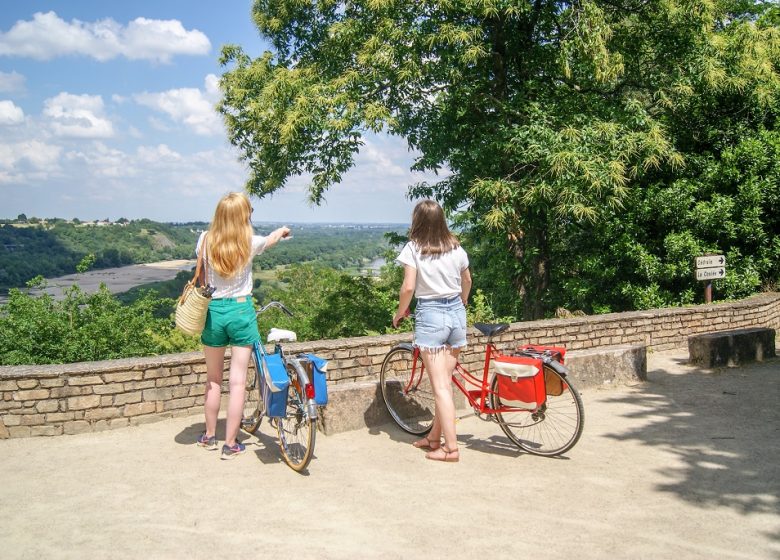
x: 439, y: 323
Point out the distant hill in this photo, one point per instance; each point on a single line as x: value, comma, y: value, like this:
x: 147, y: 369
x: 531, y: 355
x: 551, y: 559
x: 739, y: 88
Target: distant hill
x: 53, y: 248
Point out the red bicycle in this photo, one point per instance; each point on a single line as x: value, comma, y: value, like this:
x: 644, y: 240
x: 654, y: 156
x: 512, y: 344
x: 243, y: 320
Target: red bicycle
x: 528, y: 393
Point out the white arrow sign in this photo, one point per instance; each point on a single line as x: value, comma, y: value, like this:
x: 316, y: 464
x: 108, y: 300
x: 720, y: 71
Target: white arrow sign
x: 710, y: 261
x: 710, y: 273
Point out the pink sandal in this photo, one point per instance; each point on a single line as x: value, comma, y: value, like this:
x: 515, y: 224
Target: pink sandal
x: 426, y: 443
x: 448, y: 457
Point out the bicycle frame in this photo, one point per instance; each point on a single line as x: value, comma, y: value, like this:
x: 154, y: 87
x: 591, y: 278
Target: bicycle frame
x: 478, y: 398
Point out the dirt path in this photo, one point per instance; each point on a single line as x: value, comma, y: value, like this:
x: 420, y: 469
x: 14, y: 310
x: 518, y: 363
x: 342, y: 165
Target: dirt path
x: 685, y: 466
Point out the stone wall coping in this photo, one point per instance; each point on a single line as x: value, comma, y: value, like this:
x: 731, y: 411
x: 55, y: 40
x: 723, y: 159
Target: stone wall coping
x: 731, y: 334
x: 614, y: 349
x: 104, y: 366
x: 143, y: 363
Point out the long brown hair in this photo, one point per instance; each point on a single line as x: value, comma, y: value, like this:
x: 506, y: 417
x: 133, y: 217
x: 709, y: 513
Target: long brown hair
x: 229, y: 243
x: 429, y: 229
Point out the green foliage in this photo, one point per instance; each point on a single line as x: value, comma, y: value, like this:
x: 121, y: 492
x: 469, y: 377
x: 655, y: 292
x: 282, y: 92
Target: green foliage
x: 83, y: 327
x: 86, y: 263
x: 330, y: 304
x: 481, y: 311
x: 338, y: 246
x: 566, y: 127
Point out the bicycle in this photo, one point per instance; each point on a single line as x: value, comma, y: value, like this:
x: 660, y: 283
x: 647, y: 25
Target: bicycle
x: 550, y: 426
x: 297, y: 427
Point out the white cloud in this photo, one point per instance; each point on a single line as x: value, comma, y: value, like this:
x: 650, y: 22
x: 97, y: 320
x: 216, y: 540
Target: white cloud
x: 78, y: 116
x: 10, y: 113
x: 22, y: 161
x: 383, y: 165
x: 47, y: 36
x: 153, y: 171
x: 192, y: 107
x: 158, y: 124
x: 103, y: 161
x: 11, y: 82
x: 157, y: 155
x: 380, y: 161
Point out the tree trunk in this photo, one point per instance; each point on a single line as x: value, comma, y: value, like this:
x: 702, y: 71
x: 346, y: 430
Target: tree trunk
x: 530, y: 247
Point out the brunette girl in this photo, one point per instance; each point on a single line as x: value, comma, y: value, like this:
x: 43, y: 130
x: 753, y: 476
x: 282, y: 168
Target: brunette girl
x: 436, y: 272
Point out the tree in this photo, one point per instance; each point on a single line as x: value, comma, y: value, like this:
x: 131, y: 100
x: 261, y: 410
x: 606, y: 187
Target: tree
x: 551, y: 115
x: 86, y: 263
x: 330, y: 304
x: 84, y: 327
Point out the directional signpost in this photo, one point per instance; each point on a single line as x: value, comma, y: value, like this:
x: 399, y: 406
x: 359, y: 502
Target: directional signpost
x: 710, y: 273
x: 709, y: 268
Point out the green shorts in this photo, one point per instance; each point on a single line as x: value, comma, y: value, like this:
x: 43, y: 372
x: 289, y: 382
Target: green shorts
x: 230, y: 322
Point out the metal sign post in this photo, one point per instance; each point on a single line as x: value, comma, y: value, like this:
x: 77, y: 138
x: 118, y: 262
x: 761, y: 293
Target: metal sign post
x: 709, y: 268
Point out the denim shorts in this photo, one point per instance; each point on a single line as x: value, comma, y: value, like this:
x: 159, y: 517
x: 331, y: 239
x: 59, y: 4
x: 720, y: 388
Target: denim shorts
x: 230, y: 322
x: 439, y: 323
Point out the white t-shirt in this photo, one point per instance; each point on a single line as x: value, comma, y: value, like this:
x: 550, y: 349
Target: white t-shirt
x: 438, y: 276
x: 240, y: 284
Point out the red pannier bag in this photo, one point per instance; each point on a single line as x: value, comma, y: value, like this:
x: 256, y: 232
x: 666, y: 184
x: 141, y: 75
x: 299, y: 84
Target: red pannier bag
x: 520, y: 381
x: 554, y: 385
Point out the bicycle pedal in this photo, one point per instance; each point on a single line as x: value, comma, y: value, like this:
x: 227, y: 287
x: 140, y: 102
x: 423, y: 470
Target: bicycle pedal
x: 249, y: 422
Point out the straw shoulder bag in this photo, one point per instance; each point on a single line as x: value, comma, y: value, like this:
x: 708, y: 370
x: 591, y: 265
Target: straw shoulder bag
x: 193, y: 304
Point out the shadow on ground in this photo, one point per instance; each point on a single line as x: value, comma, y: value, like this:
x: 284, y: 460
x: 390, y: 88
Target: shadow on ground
x: 263, y: 443
x: 722, y: 425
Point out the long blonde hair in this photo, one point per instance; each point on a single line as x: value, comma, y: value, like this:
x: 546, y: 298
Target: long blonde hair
x: 429, y: 229
x: 229, y: 240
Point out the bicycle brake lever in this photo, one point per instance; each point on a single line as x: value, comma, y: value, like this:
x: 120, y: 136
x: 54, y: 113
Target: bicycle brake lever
x: 283, y: 308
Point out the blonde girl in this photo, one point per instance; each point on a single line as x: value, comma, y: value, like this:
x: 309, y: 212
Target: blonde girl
x: 228, y: 248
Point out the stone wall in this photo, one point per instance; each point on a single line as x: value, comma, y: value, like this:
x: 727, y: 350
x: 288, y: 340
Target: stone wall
x: 92, y: 396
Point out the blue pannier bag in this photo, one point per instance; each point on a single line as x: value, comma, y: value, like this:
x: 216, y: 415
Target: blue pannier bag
x: 275, y: 385
x: 319, y: 368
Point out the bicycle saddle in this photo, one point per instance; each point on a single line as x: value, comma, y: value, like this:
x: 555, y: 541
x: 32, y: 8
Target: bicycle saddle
x: 491, y: 330
x: 281, y: 335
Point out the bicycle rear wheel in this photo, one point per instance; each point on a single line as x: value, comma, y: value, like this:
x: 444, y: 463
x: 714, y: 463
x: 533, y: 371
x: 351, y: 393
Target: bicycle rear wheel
x: 407, y: 391
x: 297, y: 432
x: 553, y: 429
x: 253, y: 399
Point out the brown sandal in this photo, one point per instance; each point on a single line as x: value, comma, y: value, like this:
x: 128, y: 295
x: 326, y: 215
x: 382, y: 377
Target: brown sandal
x: 450, y: 456
x: 426, y: 443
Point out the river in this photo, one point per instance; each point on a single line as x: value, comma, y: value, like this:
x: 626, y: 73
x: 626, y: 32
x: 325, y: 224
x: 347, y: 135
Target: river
x: 123, y: 278
x: 117, y: 280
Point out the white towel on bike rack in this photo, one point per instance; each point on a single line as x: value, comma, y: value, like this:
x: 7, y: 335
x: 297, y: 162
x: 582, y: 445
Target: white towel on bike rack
x: 281, y: 335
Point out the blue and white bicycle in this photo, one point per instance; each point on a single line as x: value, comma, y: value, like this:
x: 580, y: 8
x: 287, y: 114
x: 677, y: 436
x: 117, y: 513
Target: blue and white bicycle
x: 281, y: 387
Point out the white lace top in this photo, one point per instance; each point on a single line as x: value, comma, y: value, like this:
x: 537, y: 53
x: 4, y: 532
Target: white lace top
x: 240, y: 284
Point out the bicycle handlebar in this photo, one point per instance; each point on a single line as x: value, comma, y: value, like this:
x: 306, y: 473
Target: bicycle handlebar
x: 278, y: 305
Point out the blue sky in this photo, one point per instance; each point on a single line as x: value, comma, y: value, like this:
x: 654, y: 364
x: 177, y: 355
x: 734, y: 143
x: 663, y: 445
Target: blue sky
x: 106, y: 111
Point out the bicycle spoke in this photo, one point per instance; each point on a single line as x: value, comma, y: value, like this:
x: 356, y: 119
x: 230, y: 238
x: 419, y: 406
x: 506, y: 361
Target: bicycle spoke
x: 552, y: 430
x: 253, y: 404
x: 296, y: 430
x: 406, y: 391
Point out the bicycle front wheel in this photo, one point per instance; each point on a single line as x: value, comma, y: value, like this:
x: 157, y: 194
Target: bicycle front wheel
x: 253, y: 398
x: 554, y: 428
x: 407, y: 391
x: 297, y: 431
